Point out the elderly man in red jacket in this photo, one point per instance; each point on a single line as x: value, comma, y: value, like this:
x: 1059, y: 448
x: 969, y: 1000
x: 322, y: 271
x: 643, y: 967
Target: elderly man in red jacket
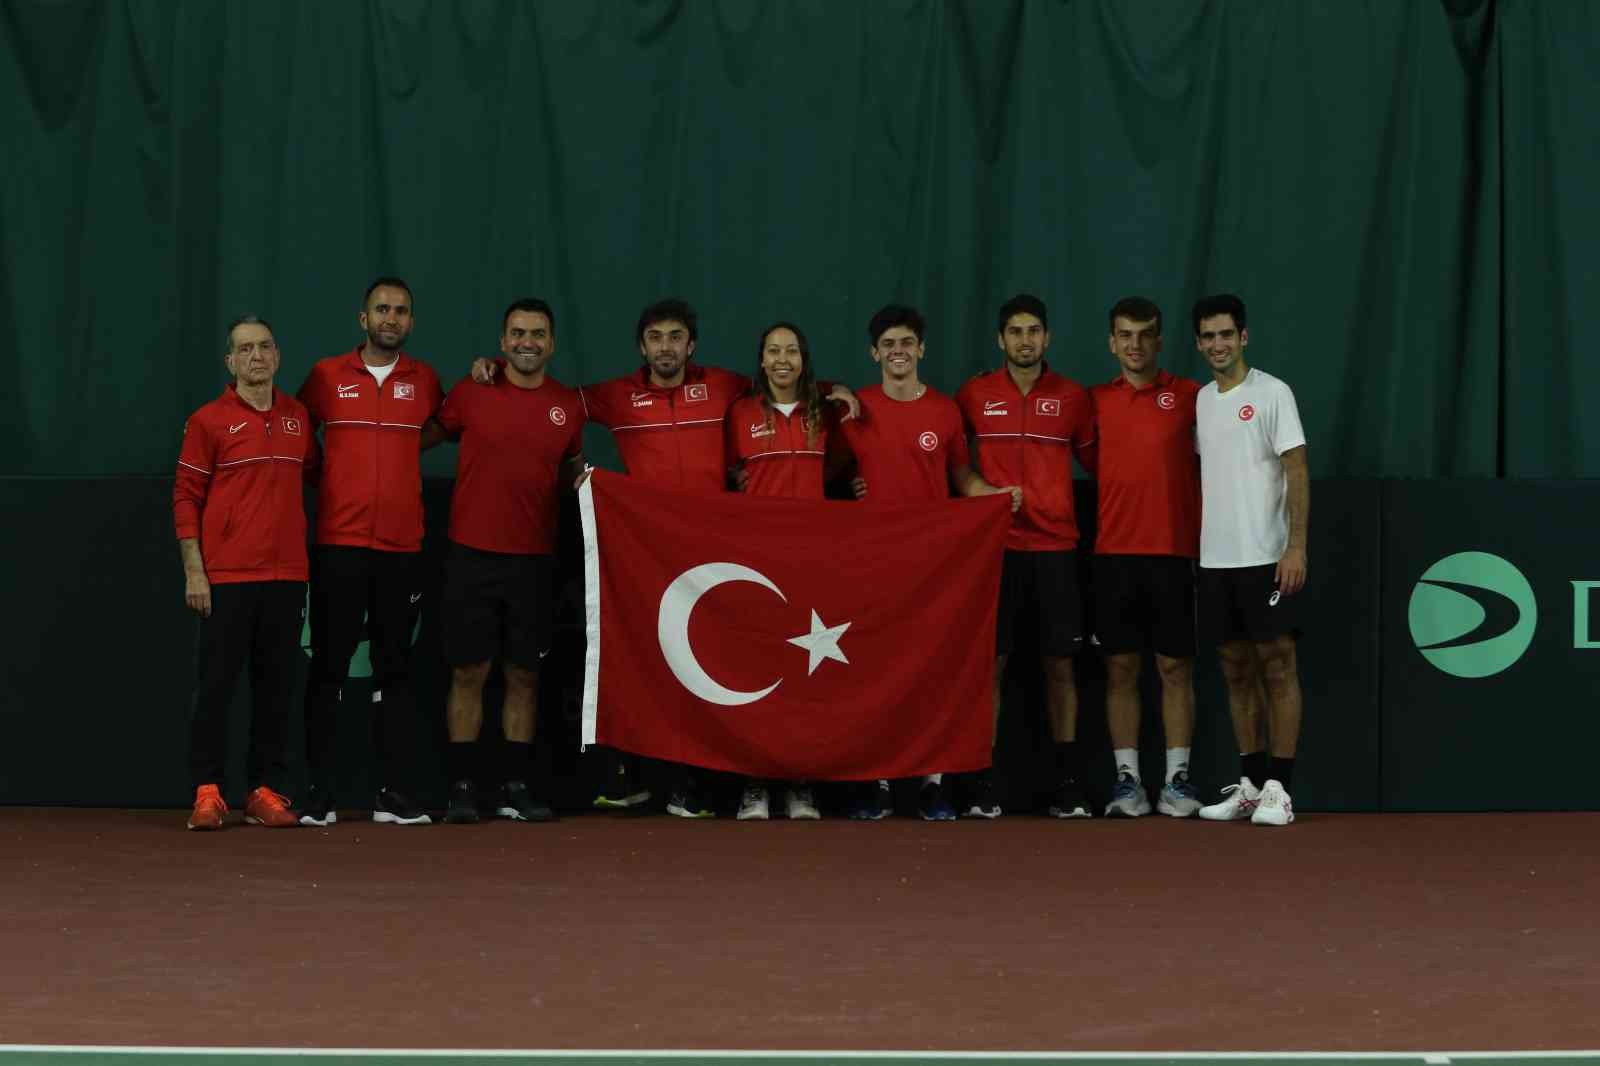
x: 241, y: 526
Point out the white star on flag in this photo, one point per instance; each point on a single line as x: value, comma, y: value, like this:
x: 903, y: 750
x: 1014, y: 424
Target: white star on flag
x: 821, y: 643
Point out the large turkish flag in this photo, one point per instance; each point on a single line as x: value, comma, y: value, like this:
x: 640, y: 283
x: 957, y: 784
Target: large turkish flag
x: 795, y: 639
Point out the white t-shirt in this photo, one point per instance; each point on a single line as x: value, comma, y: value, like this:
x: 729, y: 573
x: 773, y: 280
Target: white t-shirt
x: 381, y: 372
x: 1240, y: 434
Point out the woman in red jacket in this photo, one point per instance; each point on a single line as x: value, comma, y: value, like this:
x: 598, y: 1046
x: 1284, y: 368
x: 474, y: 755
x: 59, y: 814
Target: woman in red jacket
x: 783, y: 440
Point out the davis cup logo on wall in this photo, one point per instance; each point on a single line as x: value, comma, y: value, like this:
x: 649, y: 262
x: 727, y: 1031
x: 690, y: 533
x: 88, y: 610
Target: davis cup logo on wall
x: 558, y: 416
x: 1166, y: 400
x: 1247, y: 412
x: 928, y: 441
x: 1472, y: 614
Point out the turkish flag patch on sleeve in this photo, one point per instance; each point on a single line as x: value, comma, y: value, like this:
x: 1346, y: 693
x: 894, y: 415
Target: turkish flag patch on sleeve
x: 792, y: 639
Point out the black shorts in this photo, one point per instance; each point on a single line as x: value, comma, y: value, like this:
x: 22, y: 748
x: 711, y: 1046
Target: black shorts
x: 1041, y: 590
x: 496, y: 604
x: 1144, y: 601
x: 1243, y: 603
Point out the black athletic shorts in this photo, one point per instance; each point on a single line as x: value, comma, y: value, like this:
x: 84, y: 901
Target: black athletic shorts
x: 1243, y: 603
x: 1040, y: 590
x: 1144, y: 601
x: 496, y: 604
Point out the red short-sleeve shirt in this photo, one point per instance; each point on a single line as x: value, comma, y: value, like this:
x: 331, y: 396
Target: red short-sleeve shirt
x: 1148, y: 471
x: 513, y: 440
x: 907, y: 449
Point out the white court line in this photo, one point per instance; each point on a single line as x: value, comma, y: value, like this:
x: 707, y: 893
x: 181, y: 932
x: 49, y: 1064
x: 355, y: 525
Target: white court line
x: 1430, y: 1057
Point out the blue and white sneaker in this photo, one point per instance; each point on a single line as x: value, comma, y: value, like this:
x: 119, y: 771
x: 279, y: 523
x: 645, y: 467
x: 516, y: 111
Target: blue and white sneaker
x: 933, y: 803
x: 873, y: 801
x: 1128, y: 799
x: 1178, y: 797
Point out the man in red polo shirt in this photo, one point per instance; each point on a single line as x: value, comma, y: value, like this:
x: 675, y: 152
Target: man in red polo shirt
x: 521, y: 439
x: 910, y: 445
x: 1029, y: 423
x: 241, y: 524
x: 371, y: 404
x: 1145, y: 549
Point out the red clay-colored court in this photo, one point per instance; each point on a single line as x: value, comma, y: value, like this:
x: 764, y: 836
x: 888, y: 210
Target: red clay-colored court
x: 1341, y: 933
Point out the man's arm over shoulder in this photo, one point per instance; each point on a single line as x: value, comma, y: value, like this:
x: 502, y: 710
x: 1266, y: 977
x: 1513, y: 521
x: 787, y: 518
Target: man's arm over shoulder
x: 600, y: 401
x: 449, y: 421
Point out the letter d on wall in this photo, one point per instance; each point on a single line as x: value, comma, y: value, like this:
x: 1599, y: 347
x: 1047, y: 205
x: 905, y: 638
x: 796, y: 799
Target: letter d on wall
x: 1580, y: 614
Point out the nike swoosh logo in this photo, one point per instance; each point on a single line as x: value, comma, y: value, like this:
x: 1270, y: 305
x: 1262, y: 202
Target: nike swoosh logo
x: 544, y: 653
x: 415, y: 596
x: 990, y: 405
x: 235, y: 429
x: 640, y: 396
x: 347, y: 388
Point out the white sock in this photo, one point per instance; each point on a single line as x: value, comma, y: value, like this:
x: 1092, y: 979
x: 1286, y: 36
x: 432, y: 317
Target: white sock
x: 1177, y: 762
x: 932, y: 779
x: 1127, y: 761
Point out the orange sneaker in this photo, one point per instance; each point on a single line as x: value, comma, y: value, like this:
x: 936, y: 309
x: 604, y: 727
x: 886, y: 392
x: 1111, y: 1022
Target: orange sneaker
x: 266, y: 807
x: 209, y: 808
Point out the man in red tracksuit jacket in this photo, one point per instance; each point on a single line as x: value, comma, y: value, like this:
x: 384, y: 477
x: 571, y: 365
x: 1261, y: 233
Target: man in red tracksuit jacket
x: 241, y: 525
x: 371, y: 404
x: 1030, y: 423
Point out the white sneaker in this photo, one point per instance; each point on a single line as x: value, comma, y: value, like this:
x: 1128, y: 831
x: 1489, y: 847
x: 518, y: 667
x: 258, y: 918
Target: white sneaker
x: 753, y: 807
x: 1274, y: 807
x: 800, y: 804
x: 1238, y: 802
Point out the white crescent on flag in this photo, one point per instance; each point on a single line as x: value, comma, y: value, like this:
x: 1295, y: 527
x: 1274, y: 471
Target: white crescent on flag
x: 672, y: 629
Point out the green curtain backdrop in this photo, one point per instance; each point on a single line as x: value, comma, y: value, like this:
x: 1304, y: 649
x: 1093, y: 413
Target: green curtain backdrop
x: 1402, y: 191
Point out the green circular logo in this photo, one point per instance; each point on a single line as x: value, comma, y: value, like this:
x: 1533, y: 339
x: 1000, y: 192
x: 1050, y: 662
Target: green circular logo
x: 1472, y: 614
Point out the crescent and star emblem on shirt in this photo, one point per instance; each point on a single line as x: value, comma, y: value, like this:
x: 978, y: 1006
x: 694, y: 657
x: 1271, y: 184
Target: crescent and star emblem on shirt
x: 558, y: 416
x: 1166, y: 401
x: 928, y: 441
x: 672, y: 632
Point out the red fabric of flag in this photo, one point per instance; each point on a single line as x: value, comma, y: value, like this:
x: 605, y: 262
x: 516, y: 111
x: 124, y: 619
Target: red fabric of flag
x: 792, y: 639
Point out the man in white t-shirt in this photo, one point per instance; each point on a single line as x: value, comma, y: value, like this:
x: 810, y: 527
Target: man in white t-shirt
x: 1255, y: 507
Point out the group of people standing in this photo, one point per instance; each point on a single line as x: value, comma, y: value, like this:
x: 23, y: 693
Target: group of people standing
x: 1214, y: 474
